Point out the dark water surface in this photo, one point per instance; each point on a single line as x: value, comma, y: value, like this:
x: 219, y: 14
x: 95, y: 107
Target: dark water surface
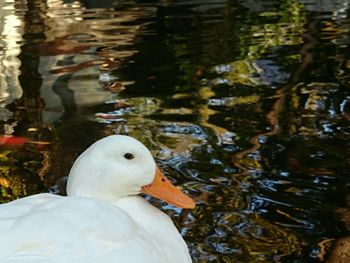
x: 246, y: 104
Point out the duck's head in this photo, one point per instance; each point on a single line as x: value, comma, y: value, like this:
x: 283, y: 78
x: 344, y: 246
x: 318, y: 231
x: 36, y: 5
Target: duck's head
x: 119, y: 166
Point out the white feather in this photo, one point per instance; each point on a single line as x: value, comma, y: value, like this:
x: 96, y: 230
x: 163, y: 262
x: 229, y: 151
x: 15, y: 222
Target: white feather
x: 101, y: 220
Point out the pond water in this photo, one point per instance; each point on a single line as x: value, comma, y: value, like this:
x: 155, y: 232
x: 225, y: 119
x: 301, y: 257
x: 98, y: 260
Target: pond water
x: 245, y: 104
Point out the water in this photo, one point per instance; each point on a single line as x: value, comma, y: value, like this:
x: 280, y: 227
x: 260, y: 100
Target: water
x: 245, y: 104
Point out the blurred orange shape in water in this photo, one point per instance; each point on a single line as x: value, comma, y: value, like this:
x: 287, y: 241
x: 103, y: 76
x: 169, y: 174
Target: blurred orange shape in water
x: 16, y: 141
x: 13, y: 140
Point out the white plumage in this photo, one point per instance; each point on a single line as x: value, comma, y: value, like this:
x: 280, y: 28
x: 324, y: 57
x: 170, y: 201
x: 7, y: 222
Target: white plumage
x: 102, y: 219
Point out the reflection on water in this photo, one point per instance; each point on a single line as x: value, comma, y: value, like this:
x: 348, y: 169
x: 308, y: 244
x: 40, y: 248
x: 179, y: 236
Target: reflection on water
x: 245, y: 104
x: 11, y: 28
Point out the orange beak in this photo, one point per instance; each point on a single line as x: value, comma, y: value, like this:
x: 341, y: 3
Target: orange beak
x: 163, y: 189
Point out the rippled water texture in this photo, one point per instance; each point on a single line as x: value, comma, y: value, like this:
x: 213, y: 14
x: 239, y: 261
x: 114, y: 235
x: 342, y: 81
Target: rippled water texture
x: 245, y: 104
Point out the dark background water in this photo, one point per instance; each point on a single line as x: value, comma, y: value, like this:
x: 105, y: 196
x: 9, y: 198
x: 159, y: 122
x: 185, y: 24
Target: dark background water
x: 246, y: 104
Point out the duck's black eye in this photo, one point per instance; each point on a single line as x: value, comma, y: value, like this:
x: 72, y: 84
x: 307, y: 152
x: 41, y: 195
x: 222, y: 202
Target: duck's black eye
x: 129, y: 156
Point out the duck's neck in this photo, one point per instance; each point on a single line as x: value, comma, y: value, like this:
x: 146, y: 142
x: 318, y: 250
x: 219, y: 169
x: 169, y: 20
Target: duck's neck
x: 144, y: 213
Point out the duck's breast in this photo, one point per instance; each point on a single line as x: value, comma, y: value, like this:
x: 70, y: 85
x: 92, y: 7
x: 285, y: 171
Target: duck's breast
x: 160, y: 229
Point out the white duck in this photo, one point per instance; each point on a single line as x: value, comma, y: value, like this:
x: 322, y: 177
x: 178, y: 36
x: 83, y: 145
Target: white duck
x: 102, y: 219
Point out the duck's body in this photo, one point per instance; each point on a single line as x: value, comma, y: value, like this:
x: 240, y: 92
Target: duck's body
x: 84, y: 228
